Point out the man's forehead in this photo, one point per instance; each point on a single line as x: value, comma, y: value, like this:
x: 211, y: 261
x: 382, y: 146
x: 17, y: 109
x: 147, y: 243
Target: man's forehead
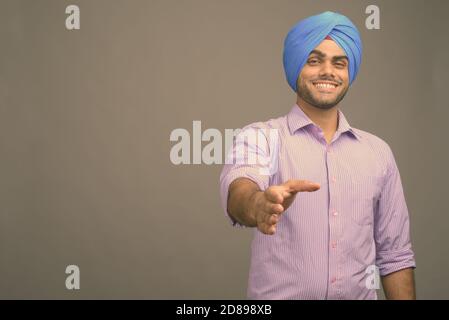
x: 329, y: 47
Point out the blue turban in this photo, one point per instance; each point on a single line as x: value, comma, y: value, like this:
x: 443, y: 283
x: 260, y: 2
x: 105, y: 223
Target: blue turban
x: 307, y: 34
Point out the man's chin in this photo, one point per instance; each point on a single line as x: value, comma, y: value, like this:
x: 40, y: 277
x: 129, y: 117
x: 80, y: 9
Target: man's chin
x: 320, y: 100
x: 324, y: 104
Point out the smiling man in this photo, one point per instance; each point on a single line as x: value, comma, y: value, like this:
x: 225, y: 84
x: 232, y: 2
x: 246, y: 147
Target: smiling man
x: 335, y: 206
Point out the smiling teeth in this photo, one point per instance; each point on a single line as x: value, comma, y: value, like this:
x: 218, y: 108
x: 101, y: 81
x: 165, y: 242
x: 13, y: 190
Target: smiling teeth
x: 325, y: 85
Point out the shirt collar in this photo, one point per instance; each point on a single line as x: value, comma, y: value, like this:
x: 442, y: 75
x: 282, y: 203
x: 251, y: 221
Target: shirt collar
x: 297, y: 119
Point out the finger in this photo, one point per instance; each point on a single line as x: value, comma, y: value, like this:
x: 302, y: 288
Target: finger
x: 286, y: 194
x: 274, y: 218
x: 274, y: 195
x: 267, y: 229
x: 264, y: 218
x: 263, y: 227
x: 273, y: 208
x: 269, y: 218
x: 302, y: 185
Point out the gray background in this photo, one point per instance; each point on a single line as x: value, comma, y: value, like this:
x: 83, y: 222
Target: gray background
x: 85, y: 120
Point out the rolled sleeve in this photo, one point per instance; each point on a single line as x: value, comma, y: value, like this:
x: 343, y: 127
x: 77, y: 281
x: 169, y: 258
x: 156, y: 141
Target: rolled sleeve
x: 251, y: 163
x: 392, y: 224
x: 391, y: 261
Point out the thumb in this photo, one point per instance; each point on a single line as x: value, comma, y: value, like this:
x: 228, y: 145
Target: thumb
x: 302, y: 186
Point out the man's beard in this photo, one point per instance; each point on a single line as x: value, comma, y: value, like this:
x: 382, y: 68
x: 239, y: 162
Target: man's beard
x: 305, y: 94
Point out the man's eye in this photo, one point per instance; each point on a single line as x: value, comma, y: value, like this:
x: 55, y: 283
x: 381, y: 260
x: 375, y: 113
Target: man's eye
x: 313, y: 61
x: 340, y: 64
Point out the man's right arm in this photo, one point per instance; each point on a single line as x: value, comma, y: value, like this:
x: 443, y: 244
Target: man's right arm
x: 250, y: 206
x: 241, y: 196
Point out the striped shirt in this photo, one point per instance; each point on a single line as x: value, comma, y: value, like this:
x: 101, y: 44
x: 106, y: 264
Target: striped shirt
x: 331, y: 243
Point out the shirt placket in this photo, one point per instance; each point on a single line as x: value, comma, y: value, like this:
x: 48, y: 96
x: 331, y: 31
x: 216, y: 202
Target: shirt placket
x: 334, y: 281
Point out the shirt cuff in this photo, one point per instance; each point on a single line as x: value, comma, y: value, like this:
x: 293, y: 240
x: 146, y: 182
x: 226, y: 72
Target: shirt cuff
x: 392, y: 261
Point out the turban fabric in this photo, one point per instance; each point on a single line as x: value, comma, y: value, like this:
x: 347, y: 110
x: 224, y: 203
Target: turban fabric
x: 307, y: 34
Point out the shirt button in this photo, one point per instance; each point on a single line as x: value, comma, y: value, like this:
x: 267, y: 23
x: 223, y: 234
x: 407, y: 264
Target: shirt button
x: 334, y: 180
x: 333, y: 280
x: 334, y: 245
x: 335, y: 213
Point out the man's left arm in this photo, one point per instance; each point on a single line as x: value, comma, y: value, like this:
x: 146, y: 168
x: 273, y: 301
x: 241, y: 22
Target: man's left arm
x: 399, y: 285
x: 394, y: 254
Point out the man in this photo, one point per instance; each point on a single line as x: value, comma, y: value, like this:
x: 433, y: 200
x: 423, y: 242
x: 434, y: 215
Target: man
x: 334, y: 209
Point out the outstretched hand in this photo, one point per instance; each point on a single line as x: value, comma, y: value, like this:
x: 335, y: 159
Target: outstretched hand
x: 269, y: 205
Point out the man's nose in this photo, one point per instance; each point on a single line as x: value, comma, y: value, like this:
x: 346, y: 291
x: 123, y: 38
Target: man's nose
x: 327, y: 69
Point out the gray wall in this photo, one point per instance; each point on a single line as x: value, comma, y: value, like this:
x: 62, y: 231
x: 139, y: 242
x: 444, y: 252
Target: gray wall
x: 86, y: 115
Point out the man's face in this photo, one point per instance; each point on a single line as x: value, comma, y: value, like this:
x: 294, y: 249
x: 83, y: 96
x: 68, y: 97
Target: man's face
x: 324, y: 79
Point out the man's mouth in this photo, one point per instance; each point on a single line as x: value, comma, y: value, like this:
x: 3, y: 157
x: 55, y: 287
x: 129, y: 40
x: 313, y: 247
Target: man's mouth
x: 326, y: 86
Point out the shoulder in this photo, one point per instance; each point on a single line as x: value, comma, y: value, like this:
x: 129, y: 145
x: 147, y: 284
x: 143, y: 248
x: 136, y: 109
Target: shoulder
x: 277, y: 124
x: 378, y: 146
x: 264, y: 135
x: 375, y: 142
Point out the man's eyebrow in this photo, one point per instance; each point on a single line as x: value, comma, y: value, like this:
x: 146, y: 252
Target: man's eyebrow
x: 323, y: 55
x: 318, y: 53
x: 339, y: 58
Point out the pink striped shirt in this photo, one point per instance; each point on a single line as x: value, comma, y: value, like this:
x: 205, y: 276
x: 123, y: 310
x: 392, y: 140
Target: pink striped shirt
x: 327, y: 240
